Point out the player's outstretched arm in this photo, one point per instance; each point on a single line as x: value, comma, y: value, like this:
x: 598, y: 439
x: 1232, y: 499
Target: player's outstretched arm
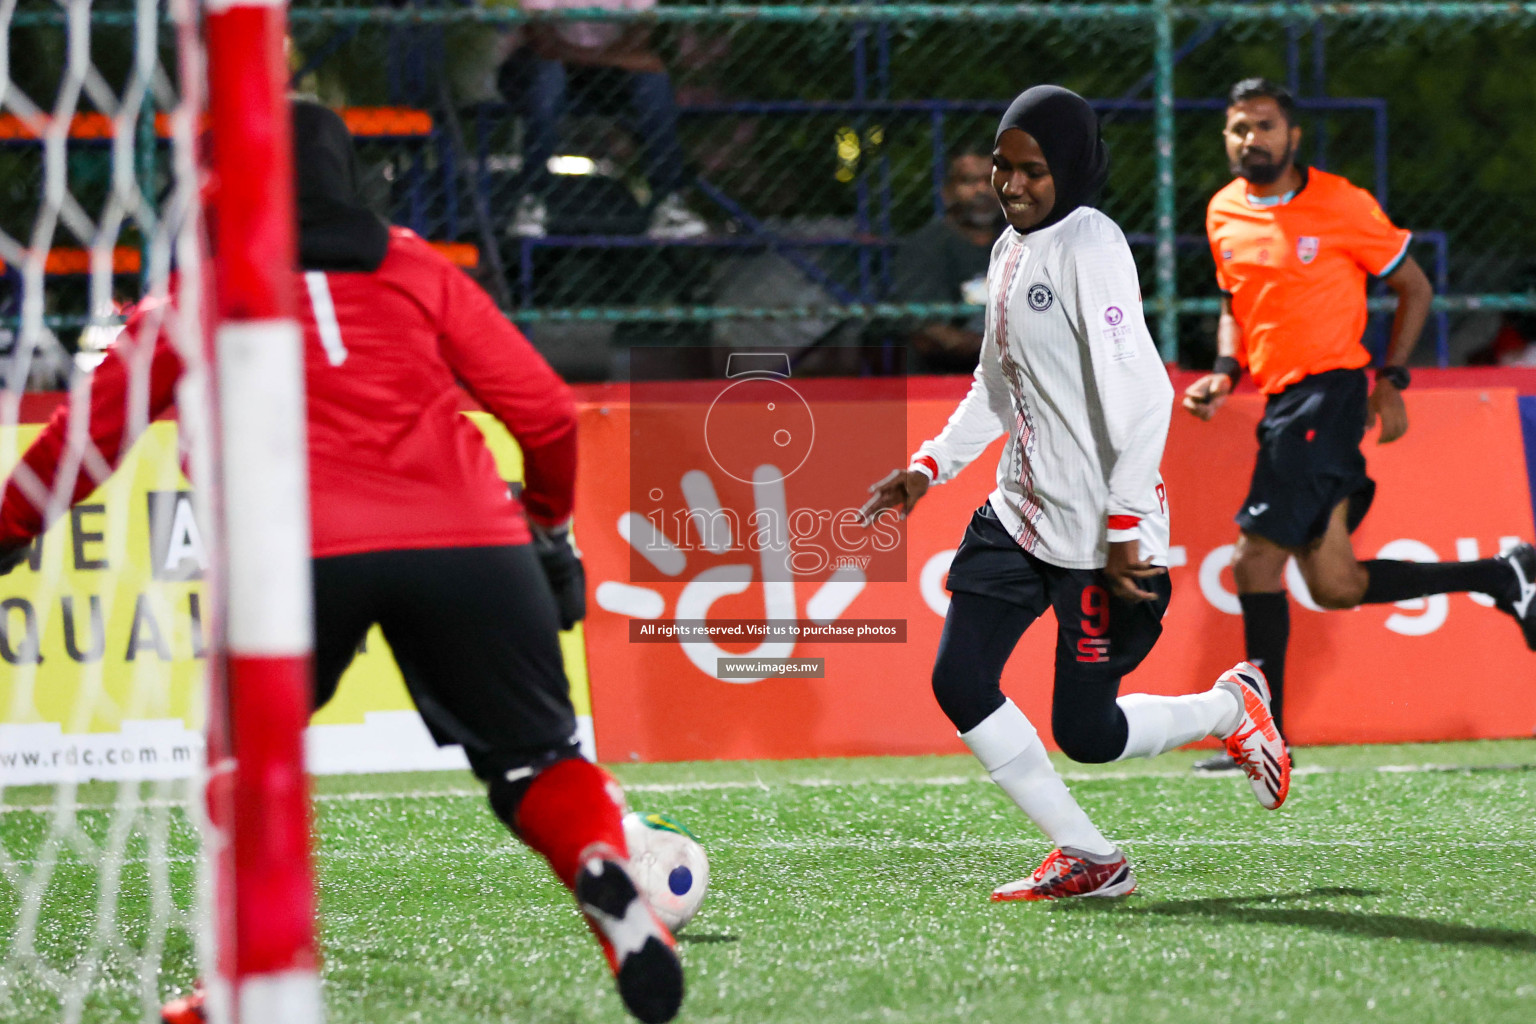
x: 982, y: 417
x: 979, y: 419
x: 27, y: 504
x: 899, y: 489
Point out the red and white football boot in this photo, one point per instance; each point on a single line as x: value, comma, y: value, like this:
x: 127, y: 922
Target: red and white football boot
x: 1256, y: 744
x: 1070, y: 872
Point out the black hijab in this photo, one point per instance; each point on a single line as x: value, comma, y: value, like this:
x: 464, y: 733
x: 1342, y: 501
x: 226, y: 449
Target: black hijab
x: 336, y: 231
x: 1067, y: 130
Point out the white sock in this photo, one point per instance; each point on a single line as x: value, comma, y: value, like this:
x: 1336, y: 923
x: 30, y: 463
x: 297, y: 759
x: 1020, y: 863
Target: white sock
x: 1010, y: 750
x: 1156, y: 724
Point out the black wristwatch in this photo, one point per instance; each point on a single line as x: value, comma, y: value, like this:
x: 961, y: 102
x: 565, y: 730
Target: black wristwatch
x: 1397, y: 376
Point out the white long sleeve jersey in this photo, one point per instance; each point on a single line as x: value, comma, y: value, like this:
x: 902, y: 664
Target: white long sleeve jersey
x: 1069, y: 372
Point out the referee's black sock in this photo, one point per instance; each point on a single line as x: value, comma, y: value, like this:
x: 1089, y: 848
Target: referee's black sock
x: 1401, y: 581
x: 1266, y: 634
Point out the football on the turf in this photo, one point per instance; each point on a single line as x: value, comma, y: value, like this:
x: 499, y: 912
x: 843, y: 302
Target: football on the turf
x: 668, y: 865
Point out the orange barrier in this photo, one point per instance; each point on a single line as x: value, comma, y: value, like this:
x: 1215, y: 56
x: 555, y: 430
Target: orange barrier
x: 128, y: 260
x: 81, y: 126
x: 74, y: 261
x: 387, y: 121
x: 1440, y: 669
x: 461, y: 253
x: 365, y: 121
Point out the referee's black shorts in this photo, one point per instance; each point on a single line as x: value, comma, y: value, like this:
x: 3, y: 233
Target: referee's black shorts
x: 475, y: 633
x: 1309, y: 460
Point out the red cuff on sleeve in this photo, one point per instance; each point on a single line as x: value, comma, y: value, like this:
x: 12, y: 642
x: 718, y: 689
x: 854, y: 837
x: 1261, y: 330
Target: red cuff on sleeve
x: 928, y: 463
x: 1124, y: 522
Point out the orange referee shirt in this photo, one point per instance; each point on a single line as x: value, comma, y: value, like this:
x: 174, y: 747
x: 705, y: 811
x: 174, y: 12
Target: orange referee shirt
x: 1296, y: 272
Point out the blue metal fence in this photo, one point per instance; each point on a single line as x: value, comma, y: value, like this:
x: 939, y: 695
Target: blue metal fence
x: 1151, y: 78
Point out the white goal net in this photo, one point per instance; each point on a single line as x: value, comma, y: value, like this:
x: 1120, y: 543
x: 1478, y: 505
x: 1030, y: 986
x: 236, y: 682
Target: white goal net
x: 106, y: 629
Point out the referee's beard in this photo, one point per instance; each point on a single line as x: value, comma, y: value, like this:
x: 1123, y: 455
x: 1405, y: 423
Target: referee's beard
x: 1259, y: 168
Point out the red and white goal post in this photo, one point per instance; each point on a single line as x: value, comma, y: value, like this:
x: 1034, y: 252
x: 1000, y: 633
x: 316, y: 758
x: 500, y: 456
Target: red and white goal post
x: 266, y: 883
x: 133, y: 875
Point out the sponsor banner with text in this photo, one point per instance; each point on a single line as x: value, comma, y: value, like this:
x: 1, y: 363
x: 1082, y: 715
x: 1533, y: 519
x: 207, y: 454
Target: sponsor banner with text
x: 103, y: 633
x: 1441, y: 668
x: 103, y: 637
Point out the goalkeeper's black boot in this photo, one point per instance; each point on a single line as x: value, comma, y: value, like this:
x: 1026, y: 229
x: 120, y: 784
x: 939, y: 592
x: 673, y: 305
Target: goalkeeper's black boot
x: 641, y: 951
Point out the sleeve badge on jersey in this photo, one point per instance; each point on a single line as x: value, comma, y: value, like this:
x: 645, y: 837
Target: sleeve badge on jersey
x: 1118, y: 333
x: 1040, y: 298
x: 1306, y: 248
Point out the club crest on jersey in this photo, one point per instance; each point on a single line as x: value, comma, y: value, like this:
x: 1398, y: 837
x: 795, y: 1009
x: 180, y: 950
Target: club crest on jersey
x: 1040, y: 298
x: 1306, y: 248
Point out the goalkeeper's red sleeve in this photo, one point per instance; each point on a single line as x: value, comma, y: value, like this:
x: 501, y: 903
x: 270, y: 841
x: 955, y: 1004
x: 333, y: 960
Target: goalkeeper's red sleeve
x: 89, y: 453
x: 508, y: 376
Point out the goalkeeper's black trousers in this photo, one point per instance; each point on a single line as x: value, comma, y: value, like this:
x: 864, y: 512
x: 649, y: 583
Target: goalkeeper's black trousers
x: 475, y: 634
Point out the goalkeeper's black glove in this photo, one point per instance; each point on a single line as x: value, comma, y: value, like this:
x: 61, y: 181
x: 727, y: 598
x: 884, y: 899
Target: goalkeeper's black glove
x: 562, y: 567
x: 13, y: 554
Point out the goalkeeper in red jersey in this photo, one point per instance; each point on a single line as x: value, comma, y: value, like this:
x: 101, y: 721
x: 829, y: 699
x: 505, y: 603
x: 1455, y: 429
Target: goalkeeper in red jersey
x: 414, y: 529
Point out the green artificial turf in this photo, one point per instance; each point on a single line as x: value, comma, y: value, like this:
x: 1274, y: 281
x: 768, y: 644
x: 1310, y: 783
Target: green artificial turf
x: 1397, y: 884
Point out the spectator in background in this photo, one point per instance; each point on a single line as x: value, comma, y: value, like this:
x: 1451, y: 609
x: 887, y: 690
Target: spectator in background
x: 946, y: 261
x: 582, y: 64
x: 1514, y: 340
x: 1513, y: 344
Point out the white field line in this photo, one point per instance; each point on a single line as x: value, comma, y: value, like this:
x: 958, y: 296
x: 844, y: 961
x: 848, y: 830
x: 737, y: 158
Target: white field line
x: 759, y: 784
x: 1021, y: 843
x: 1036, y: 843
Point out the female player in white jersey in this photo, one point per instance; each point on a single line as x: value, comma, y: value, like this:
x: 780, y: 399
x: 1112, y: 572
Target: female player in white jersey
x: 1078, y: 521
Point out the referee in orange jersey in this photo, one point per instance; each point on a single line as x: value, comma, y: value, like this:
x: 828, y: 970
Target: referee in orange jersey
x: 1294, y: 247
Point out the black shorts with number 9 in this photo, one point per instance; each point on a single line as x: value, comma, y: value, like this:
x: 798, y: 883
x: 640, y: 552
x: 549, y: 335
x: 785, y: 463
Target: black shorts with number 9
x: 1099, y: 637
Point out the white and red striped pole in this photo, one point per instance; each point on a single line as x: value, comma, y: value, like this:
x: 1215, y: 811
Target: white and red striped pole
x: 259, y: 357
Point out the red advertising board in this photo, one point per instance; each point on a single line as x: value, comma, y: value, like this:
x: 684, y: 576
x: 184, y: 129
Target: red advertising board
x: 1437, y: 669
